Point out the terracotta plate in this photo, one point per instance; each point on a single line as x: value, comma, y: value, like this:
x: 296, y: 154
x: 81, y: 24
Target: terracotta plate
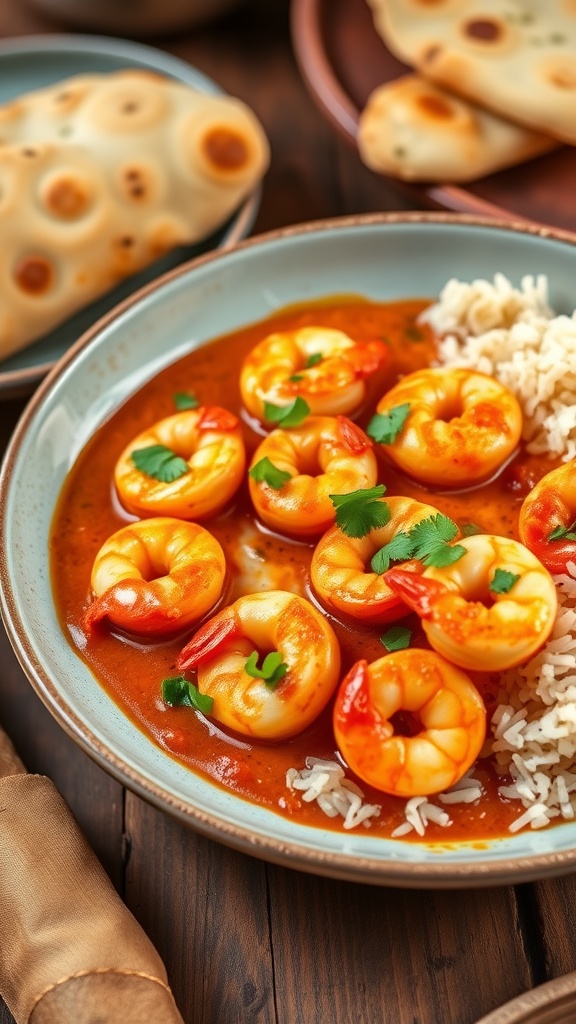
x: 342, y: 59
x: 551, y: 1003
x: 33, y: 62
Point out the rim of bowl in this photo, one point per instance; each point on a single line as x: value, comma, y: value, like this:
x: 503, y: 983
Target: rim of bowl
x: 293, y: 854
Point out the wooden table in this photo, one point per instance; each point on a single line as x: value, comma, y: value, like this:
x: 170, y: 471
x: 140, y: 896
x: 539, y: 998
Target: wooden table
x: 244, y: 940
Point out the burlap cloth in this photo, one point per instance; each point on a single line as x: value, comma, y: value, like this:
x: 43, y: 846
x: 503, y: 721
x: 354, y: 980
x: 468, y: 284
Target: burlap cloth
x: 70, y: 951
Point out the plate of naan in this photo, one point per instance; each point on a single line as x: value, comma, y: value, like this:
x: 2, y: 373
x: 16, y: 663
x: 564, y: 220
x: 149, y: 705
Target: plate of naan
x: 117, y: 163
x: 468, y: 105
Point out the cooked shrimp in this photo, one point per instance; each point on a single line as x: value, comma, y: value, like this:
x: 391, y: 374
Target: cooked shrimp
x: 450, y: 427
x: 262, y: 623
x: 340, y: 565
x: 491, y: 610
x: 321, y: 365
x: 547, y: 521
x: 326, y: 455
x: 442, y: 714
x: 156, y: 577
x: 210, y: 443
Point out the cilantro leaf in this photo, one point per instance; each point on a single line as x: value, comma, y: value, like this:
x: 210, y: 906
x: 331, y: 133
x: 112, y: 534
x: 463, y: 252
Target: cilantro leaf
x: 314, y: 359
x: 444, y: 554
x: 290, y: 415
x: 266, y: 472
x: 159, y: 462
x: 563, y: 532
x: 503, y: 581
x: 431, y: 538
x: 385, y: 427
x: 272, y: 671
x: 185, y: 400
x: 397, y: 638
x: 398, y: 549
x: 296, y: 378
x: 358, y: 512
x: 178, y: 691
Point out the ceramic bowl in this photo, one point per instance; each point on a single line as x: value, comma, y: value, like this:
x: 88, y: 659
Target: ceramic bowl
x: 381, y: 257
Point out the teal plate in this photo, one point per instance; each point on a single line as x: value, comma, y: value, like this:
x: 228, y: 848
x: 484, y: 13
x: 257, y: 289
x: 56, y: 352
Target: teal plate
x: 33, y: 62
x: 383, y: 257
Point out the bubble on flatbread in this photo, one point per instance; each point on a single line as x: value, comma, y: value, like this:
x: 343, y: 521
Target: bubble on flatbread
x: 221, y: 142
x: 34, y: 274
x: 67, y: 195
x: 127, y: 106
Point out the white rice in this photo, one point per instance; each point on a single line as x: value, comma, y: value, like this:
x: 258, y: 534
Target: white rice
x: 325, y: 782
x: 535, y: 725
x: 513, y: 335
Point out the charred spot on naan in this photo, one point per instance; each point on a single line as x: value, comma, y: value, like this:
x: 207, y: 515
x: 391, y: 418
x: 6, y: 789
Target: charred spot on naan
x: 34, y: 274
x: 67, y: 195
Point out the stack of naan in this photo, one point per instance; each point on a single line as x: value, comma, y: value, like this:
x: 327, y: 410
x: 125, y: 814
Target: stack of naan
x: 494, y: 84
x: 102, y: 174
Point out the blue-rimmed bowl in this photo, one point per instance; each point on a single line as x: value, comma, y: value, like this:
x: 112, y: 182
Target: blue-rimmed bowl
x: 380, y: 256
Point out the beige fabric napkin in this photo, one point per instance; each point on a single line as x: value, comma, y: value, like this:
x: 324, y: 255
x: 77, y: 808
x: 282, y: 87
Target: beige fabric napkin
x: 70, y: 951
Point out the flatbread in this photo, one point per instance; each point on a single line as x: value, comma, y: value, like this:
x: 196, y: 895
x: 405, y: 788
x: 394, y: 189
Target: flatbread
x: 417, y: 131
x: 515, y: 57
x: 101, y: 175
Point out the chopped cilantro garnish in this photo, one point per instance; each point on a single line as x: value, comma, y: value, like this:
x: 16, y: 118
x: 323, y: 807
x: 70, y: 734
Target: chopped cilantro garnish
x: 296, y: 378
x: 385, y: 427
x: 431, y: 538
x: 290, y: 415
x: 159, y: 462
x: 266, y: 472
x: 177, y: 691
x: 428, y: 541
x: 358, y: 512
x: 272, y: 671
x: 314, y: 359
x: 563, y: 532
x: 397, y: 638
x: 398, y: 549
x: 503, y: 581
x: 185, y: 400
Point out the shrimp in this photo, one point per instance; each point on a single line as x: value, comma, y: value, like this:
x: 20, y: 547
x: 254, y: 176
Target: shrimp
x: 321, y: 365
x: 339, y: 569
x: 547, y: 518
x: 210, y: 443
x: 156, y: 577
x: 326, y: 455
x: 460, y: 426
x: 275, y: 621
x: 409, y: 724
x: 492, y: 609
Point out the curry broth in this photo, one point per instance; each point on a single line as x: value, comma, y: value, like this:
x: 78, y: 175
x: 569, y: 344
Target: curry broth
x: 131, y: 671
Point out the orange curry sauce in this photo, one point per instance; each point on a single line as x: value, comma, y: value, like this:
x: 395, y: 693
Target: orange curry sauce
x: 131, y: 671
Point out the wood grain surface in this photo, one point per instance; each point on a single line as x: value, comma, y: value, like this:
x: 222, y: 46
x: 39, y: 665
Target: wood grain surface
x: 245, y: 941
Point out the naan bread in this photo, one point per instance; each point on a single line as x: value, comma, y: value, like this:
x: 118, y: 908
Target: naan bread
x: 516, y: 57
x: 414, y: 130
x: 99, y: 176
